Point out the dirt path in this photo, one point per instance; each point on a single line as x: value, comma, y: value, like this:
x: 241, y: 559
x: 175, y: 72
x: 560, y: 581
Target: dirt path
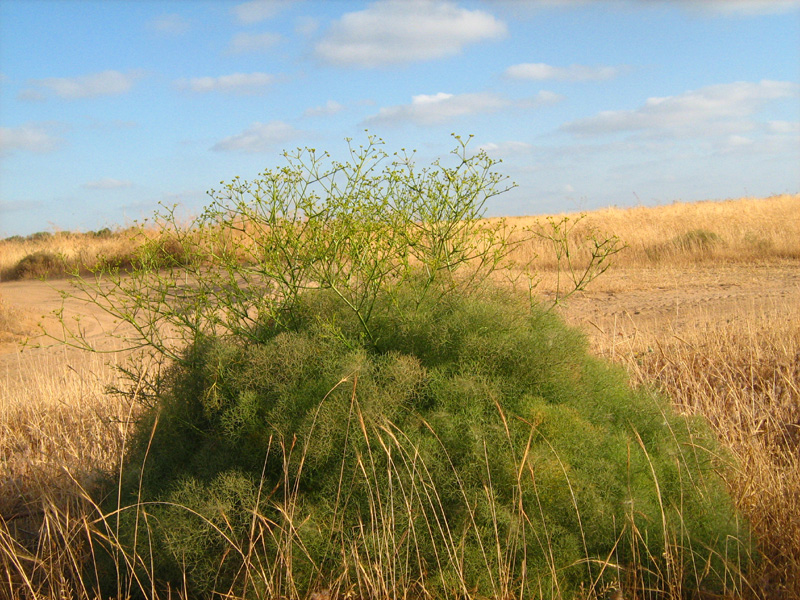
x: 35, y: 303
x: 683, y: 297
x: 622, y: 299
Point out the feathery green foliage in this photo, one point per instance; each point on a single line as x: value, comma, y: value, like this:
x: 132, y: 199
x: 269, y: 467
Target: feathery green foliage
x: 475, y: 448
x: 348, y: 402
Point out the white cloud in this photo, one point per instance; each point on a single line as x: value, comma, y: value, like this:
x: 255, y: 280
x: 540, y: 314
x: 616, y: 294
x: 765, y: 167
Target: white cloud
x: 401, y: 31
x: 542, y: 71
x: 259, y: 10
x: 712, y: 8
x: 171, y: 24
x: 509, y: 148
x: 331, y: 107
x: 721, y: 109
x: 543, y: 98
x: 30, y: 138
x: 259, y: 137
x: 253, y: 42
x: 739, y: 140
x: 107, y: 183
x: 742, y: 7
x: 105, y: 83
x: 241, y: 83
x: 787, y: 127
x: 438, y: 108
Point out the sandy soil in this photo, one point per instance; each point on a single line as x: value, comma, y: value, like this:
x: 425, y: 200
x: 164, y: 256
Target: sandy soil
x: 35, y: 302
x: 648, y: 299
x: 622, y: 300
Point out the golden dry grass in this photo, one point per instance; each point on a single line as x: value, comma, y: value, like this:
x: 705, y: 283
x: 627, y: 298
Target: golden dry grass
x: 740, y: 370
x: 741, y: 230
x: 60, y: 434
x: 45, y: 254
x: 15, y: 323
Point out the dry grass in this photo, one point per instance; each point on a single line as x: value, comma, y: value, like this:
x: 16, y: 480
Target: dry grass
x: 46, y: 254
x: 58, y: 430
x: 740, y: 230
x: 742, y: 373
x: 15, y: 323
x: 60, y: 433
x: 731, y: 231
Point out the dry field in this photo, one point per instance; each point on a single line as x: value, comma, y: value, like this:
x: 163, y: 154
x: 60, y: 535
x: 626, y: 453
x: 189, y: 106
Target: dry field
x: 704, y: 302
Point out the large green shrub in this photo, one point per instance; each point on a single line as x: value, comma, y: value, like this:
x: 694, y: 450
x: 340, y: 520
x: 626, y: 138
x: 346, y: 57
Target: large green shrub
x: 473, y: 448
x: 348, y: 402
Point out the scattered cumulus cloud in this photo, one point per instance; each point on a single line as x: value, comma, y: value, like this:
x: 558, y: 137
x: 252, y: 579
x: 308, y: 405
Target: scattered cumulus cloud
x: 544, y: 98
x: 739, y: 140
x: 28, y: 138
x: 238, y: 83
x: 256, y: 11
x: 542, y: 71
x: 401, y: 31
x: 724, y: 8
x: 509, y: 148
x: 172, y: 24
x: 742, y: 7
x: 105, y: 83
x: 107, y: 183
x: 438, y: 108
x: 786, y: 127
x: 253, y: 42
x: 259, y: 137
x: 712, y: 109
x: 331, y: 107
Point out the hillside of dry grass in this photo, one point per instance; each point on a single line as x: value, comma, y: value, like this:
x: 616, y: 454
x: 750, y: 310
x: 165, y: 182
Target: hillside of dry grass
x: 743, y: 230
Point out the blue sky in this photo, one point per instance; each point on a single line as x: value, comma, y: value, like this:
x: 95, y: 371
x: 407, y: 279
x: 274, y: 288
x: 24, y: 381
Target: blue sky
x: 108, y: 108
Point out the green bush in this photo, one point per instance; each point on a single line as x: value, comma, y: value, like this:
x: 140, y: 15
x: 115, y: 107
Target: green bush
x: 103, y: 233
x: 697, y: 240
x: 39, y: 236
x: 474, y: 448
x: 348, y: 402
x: 42, y: 263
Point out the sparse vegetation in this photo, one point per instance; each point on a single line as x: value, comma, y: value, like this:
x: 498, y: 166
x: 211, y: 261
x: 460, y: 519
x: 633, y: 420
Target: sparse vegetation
x: 280, y: 390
